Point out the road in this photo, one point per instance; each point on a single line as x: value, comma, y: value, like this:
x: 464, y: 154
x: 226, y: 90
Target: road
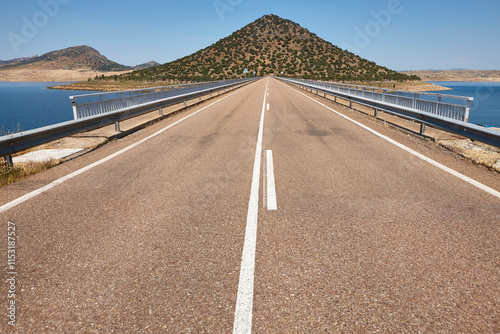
x: 174, y: 229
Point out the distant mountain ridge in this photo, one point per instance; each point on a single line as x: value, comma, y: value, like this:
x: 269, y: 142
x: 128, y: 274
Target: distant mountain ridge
x: 74, y: 58
x: 456, y: 75
x: 146, y: 65
x: 270, y: 45
x: 15, y: 60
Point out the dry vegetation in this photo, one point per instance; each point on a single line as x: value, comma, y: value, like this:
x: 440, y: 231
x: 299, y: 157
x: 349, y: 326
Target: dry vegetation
x: 44, y: 75
x: 72, y: 64
x: 11, y: 174
x: 457, y: 75
x: 112, y: 86
x: 411, y: 86
x: 268, y: 46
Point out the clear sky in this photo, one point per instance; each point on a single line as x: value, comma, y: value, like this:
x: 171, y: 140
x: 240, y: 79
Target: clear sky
x: 399, y: 34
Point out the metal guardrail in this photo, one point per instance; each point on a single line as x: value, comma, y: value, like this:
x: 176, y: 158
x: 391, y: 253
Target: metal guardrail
x: 87, y: 105
x: 418, y: 107
x: 450, y: 106
x: 17, y: 142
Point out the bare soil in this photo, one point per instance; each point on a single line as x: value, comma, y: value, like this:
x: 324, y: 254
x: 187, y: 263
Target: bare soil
x: 458, y: 75
x: 46, y: 75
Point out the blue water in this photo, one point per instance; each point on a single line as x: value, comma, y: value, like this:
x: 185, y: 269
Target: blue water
x: 485, y: 109
x: 30, y: 105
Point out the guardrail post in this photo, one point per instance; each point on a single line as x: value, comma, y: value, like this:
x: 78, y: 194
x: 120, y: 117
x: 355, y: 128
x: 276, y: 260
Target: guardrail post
x: 437, y: 104
x: 117, y: 126
x: 101, y: 111
x: 375, y: 113
x: 73, y: 103
x: 8, y: 160
x: 161, y: 111
x: 467, y: 110
x: 422, y: 128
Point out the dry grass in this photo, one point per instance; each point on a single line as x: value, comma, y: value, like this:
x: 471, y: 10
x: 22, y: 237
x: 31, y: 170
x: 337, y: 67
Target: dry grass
x: 458, y: 75
x: 412, y: 86
x: 11, y: 174
x: 47, y: 75
x: 112, y: 86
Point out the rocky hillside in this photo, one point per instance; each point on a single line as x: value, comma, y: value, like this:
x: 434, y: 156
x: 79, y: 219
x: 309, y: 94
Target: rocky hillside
x: 73, y: 58
x: 270, y: 45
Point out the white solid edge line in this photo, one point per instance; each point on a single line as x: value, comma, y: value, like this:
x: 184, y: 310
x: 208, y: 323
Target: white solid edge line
x: 467, y: 179
x: 57, y: 182
x: 244, y: 299
x: 271, y: 188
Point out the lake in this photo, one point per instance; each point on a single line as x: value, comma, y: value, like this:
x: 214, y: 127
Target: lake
x: 29, y: 105
x: 485, y: 109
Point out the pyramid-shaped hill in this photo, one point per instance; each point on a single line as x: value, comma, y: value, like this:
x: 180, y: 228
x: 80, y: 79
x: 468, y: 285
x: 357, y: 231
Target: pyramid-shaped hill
x: 270, y: 45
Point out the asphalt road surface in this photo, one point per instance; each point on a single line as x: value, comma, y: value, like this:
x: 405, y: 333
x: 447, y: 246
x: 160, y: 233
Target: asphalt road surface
x: 262, y: 211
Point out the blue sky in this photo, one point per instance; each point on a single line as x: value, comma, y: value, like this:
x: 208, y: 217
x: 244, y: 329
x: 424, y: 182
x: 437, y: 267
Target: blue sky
x: 399, y: 34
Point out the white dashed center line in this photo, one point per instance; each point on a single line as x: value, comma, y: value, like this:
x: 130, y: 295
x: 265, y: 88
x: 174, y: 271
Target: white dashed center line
x: 271, y: 189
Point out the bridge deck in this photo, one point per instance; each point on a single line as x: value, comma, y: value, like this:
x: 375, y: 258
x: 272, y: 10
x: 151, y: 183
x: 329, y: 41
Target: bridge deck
x: 366, y: 235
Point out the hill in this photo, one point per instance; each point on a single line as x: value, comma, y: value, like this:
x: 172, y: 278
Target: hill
x: 456, y: 75
x: 16, y: 60
x: 73, y: 58
x: 146, y: 65
x: 270, y: 45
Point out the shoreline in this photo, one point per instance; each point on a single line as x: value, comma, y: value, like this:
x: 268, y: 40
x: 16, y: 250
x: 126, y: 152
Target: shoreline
x: 444, y: 79
x: 112, y: 86
x: 43, y: 75
x: 457, y: 75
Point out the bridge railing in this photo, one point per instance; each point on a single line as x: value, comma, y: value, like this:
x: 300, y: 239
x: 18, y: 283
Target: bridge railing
x: 87, y: 105
x: 450, y: 106
x: 446, y: 112
x: 108, y: 110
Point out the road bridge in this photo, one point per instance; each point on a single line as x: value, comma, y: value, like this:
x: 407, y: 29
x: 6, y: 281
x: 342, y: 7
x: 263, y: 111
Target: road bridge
x: 268, y: 210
